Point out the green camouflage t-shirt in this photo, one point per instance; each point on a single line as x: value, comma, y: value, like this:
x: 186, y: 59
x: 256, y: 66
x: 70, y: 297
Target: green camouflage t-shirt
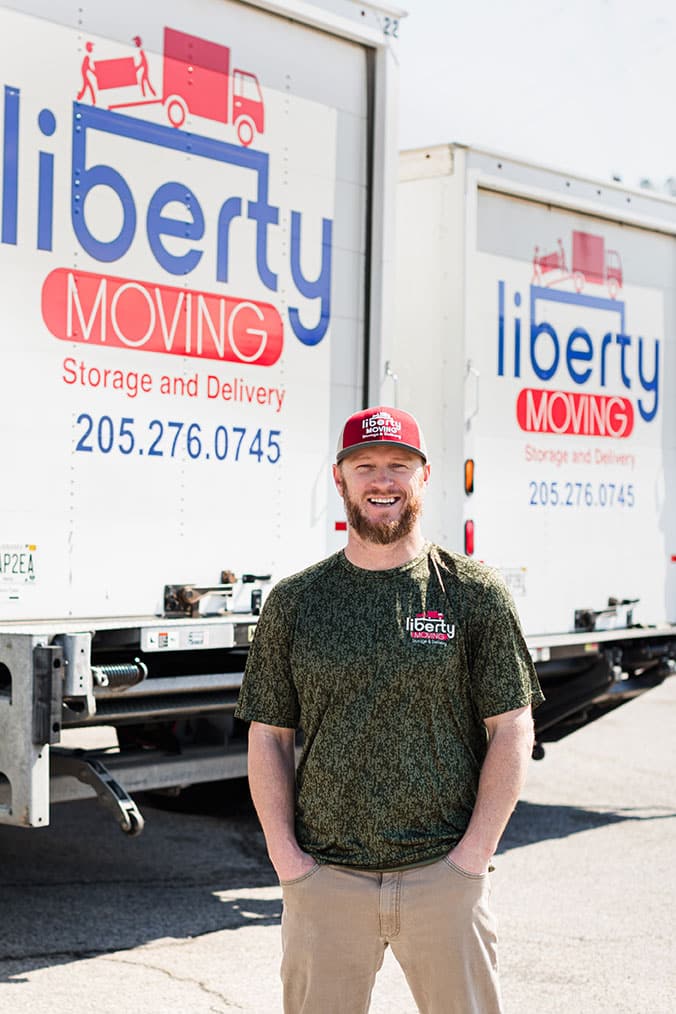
x: 389, y: 674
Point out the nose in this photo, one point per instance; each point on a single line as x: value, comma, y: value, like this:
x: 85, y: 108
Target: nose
x: 382, y: 477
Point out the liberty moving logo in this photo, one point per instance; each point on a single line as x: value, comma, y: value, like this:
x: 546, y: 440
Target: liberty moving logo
x: 129, y: 312
x: 381, y: 426
x: 429, y: 627
x: 623, y: 368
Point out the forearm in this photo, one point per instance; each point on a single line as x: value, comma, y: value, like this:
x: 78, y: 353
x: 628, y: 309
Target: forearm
x: 272, y: 783
x: 503, y: 774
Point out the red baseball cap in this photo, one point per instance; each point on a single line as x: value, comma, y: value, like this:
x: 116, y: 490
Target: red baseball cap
x: 381, y: 425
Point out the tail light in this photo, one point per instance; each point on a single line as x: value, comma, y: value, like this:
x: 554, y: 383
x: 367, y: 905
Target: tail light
x: 469, y: 476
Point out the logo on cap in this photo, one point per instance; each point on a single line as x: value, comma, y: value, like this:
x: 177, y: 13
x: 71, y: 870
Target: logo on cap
x: 381, y: 426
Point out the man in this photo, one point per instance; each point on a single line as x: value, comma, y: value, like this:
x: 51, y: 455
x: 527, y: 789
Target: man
x: 88, y: 71
x: 142, y: 75
x: 405, y: 667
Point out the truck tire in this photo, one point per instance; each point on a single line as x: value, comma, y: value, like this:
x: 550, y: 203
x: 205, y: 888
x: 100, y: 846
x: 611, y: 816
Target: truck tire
x: 245, y: 131
x: 176, y: 109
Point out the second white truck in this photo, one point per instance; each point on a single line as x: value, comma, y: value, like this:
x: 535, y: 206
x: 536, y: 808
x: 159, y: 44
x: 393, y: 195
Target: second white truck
x: 536, y: 338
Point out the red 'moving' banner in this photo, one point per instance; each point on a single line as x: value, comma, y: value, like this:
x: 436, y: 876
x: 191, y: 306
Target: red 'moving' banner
x: 79, y: 306
x: 574, y: 413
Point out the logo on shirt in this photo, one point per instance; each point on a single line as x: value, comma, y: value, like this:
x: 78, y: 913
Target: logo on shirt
x: 429, y: 627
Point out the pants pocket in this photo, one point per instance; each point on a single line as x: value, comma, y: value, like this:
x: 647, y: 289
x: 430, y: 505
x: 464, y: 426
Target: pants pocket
x: 463, y: 873
x: 299, y: 880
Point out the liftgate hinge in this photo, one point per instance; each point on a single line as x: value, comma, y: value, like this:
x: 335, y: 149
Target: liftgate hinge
x: 184, y: 599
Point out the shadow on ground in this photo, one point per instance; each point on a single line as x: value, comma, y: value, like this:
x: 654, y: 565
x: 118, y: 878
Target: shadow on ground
x: 534, y: 822
x: 80, y: 887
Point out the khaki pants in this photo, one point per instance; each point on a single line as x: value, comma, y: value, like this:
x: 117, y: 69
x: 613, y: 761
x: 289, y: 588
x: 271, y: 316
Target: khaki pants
x: 338, y: 921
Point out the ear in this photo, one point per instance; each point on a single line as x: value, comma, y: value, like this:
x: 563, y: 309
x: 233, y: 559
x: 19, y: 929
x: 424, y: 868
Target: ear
x: 426, y: 473
x: 338, y: 479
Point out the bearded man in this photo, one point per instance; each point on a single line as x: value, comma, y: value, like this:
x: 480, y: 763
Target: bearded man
x: 405, y: 668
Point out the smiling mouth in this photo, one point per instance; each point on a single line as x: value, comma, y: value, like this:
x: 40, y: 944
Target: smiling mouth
x: 383, y: 501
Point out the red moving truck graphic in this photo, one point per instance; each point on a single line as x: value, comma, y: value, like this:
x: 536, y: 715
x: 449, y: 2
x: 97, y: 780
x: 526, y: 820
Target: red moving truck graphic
x: 591, y: 263
x: 196, y: 78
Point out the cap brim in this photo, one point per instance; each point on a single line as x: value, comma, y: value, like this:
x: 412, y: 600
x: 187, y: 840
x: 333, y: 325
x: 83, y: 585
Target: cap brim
x: 380, y: 443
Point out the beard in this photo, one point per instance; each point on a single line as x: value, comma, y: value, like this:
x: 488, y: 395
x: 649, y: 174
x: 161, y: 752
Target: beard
x: 382, y: 533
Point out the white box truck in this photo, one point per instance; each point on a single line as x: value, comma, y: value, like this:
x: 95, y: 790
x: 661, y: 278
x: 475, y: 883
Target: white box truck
x: 536, y: 338
x: 196, y: 201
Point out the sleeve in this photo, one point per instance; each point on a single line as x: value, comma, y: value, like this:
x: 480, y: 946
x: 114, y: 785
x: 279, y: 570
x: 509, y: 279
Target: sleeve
x: 268, y: 694
x: 503, y: 674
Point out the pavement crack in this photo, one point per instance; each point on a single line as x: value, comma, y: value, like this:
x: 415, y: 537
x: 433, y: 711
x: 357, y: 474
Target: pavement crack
x: 230, y: 1004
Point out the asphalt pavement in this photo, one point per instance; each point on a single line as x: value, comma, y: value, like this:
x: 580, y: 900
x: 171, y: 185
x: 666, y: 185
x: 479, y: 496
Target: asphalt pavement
x: 185, y: 918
